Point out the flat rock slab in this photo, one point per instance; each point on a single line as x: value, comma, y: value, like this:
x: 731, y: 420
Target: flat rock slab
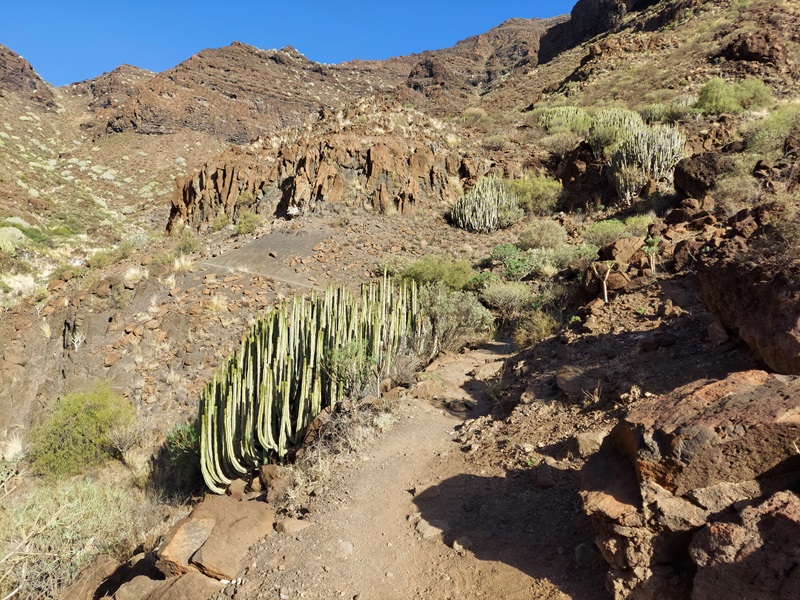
x: 183, y: 540
x: 215, y: 537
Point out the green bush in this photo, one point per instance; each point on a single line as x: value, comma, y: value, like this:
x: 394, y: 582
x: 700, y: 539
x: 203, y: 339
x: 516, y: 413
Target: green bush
x: 533, y: 327
x: 564, y: 118
x: 664, y: 113
x: 769, y: 134
x: 453, y: 317
x: 351, y: 367
x: 477, y: 283
x: 542, y: 233
x: 717, y: 96
x: 638, y: 224
x: 188, y: 243
x: 247, y: 222
x: 432, y: 269
x: 603, y: 233
x: 509, y: 298
x: 487, y: 207
x: 75, y: 436
x: 220, y: 222
x: 537, y: 194
x: 503, y: 252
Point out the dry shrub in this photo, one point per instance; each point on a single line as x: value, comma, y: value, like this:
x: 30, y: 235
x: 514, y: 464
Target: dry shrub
x: 542, y: 233
x: 533, y: 327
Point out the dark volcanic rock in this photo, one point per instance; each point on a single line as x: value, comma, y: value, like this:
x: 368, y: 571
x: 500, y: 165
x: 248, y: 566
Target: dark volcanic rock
x: 17, y: 75
x: 759, y: 46
x: 697, y: 175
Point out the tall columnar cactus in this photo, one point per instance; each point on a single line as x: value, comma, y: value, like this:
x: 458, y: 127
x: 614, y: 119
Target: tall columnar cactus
x: 260, y: 403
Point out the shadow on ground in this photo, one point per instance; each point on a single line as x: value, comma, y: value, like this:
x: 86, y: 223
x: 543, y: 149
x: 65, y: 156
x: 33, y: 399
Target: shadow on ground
x: 539, y: 531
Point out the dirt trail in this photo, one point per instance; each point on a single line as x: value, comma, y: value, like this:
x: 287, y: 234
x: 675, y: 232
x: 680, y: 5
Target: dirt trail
x: 413, y: 516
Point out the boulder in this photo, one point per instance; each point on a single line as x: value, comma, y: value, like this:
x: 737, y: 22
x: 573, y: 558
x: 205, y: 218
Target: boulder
x: 678, y: 461
x: 622, y: 251
x: 756, y: 557
x: 697, y: 175
x: 758, y: 46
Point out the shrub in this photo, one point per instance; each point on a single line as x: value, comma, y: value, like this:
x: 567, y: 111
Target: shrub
x: 351, y: 367
x: 520, y: 266
x: 734, y: 193
x: 247, y: 222
x: 453, y: 317
x: 533, y: 327
x: 537, y: 194
x: 609, y: 127
x: 495, y: 142
x: 480, y: 281
x: 769, y: 134
x: 664, y: 113
x: 603, y: 233
x: 432, y: 269
x: 542, y: 233
x: 76, y: 436
x: 48, y: 534
x: 488, y: 206
x: 220, y: 222
x: 10, y: 239
x: 638, y: 224
x: 188, y: 243
x: 503, y: 252
x: 717, y: 96
x: 560, y: 143
x: 564, y: 118
x: 508, y: 298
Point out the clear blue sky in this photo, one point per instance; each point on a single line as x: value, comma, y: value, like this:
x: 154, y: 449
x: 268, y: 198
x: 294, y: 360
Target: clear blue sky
x: 72, y: 40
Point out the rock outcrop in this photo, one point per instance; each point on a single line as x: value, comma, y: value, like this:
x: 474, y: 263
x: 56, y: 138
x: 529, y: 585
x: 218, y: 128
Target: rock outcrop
x: 681, y: 460
x: 17, y: 75
x: 393, y: 160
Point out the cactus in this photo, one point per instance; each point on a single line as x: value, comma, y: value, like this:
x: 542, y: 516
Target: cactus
x: 260, y: 403
x: 610, y: 126
x: 564, y: 118
x: 488, y: 206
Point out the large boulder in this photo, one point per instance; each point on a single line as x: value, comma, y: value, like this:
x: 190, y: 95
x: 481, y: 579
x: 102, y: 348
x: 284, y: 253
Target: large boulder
x: 756, y: 557
x: 679, y: 460
x: 697, y: 175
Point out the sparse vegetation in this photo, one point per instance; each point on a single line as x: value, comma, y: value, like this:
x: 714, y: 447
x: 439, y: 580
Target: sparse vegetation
x: 564, y: 118
x: 48, y: 534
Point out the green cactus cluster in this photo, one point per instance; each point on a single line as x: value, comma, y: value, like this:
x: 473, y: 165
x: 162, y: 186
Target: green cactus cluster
x: 487, y: 207
x: 259, y: 404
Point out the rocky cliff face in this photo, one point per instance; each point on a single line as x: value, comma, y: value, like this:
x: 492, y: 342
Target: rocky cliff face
x: 237, y: 92
x: 17, y: 75
x: 384, y: 156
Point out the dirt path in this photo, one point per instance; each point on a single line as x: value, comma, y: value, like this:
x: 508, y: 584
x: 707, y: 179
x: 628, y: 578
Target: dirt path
x: 413, y: 516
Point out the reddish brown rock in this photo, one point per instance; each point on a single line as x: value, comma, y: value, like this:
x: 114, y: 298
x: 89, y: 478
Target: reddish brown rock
x: 90, y: 578
x: 754, y: 558
x: 184, y: 539
x: 675, y: 461
x: 622, y: 251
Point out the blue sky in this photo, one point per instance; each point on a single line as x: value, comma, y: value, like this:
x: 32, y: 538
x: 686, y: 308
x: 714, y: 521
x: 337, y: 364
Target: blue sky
x: 72, y: 40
